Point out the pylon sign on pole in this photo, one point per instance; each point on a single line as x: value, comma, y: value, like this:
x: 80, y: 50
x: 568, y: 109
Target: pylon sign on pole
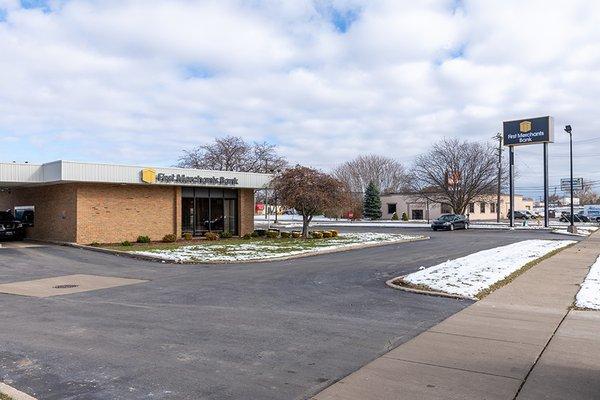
x: 523, y: 132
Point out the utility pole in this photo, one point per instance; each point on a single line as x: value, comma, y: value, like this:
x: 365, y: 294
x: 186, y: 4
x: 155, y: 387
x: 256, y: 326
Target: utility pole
x: 498, y: 137
x: 571, y: 228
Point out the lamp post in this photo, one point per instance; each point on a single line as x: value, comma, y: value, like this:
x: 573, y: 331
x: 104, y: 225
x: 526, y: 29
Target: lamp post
x: 572, y: 227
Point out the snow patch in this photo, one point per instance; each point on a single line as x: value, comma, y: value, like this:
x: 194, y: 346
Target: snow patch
x: 589, y: 294
x: 270, y: 249
x: 581, y: 231
x: 469, y: 275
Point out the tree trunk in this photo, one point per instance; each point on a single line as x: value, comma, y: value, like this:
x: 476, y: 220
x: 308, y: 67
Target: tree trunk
x: 305, y: 226
x: 305, y: 222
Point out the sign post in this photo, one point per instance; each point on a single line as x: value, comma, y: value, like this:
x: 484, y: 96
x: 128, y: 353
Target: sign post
x: 511, y: 179
x: 546, y: 194
x: 523, y: 132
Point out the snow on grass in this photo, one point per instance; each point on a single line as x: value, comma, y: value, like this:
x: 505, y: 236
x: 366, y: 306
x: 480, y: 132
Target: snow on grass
x: 581, y: 231
x: 468, y: 276
x: 267, y: 249
x: 589, y: 294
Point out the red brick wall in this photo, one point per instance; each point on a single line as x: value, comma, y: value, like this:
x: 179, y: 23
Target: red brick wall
x: 246, y: 211
x: 114, y: 213
x: 55, y: 210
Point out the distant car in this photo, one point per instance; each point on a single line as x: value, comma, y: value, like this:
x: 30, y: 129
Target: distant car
x: 450, y: 222
x: 566, y: 217
x: 10, y: 227
x: 519, y: 215
x: 291, y: 211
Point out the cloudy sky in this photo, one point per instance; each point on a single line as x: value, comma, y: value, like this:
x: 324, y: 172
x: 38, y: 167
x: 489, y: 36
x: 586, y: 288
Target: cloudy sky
x: 137, y: 81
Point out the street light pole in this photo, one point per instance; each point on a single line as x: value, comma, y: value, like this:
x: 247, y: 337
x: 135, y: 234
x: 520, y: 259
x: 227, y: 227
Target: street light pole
x: 498, y: 137
x: 572, y: 228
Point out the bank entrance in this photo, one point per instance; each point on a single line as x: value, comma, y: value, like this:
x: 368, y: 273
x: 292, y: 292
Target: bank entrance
x: 209, y: 210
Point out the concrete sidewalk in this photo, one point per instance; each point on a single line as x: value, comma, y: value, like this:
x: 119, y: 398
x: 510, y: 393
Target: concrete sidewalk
x: 520, y: 342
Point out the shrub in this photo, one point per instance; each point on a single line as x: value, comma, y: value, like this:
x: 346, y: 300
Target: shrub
x: 247, y: 236
x: 211, y: 236
x: 126, y: 243
x: 404, y: 216
x: 169, y: 238
x: 143, y: 239
x: 316, y: 235
x: 187, y: 236
x: 95, y: 244
x: 260, y: 232
x: 254, y: 234
x: 272, y: 234
x: 225, y: 235
x: 334, y: 233
x: 395, y: 216
x: 286, y: 235
x: 296, y: 234
x: 327, y: 234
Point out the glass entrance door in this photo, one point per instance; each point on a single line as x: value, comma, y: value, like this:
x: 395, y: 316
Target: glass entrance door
x: 209, y: 210
x: 230, y: 214
x: 202, y: 212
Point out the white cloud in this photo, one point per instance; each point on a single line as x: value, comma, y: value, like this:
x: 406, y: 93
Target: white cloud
x: 137, y: 81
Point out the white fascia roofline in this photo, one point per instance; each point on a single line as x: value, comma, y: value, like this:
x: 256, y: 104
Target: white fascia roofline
x: 73, y: 171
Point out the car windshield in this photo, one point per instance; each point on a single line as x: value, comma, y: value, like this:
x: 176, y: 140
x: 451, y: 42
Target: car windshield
x: 448, y: 217
x: 6, y: 216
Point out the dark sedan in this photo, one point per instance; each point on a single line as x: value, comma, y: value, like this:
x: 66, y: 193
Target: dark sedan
x: 450, y: 222
x: 10, y: 228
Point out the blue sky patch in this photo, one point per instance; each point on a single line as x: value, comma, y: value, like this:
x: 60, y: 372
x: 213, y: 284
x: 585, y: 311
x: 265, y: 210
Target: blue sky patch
x: 32, y: 4
x: 342, y: 19
x: 197, y: 72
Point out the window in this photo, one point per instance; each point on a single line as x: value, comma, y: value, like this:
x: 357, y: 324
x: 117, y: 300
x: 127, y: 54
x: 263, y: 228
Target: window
x: 482, y: 207
x: 471, y: 207
x: 417, y: 214
x: 391, y: 208
x: 492, y: 207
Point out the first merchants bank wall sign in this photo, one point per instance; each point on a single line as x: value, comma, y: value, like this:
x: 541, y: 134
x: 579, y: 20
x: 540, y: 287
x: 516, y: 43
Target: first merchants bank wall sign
x: 149, y: 175
x: 528, y: 131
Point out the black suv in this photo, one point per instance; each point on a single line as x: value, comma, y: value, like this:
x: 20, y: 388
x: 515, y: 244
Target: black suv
x: 450, y: 222
x: 10, y: 227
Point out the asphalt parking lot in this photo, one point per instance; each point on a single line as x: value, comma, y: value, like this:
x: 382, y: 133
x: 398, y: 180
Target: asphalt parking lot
x: 276, y: 330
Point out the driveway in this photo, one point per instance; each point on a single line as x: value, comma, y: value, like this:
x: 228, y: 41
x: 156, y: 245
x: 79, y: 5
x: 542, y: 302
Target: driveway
x: 277, y: 330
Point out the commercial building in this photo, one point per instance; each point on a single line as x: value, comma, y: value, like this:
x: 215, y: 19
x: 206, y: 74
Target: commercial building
x: 483, y: 208
x: 86, y: 202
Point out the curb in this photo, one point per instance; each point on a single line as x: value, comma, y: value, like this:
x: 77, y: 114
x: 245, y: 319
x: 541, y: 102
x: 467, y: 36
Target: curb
x: 358, y: 246
x: 391, y: 284
x: 14, y: 393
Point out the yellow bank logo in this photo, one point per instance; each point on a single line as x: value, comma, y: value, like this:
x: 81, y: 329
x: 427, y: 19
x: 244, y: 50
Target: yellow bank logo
x: 525, y: 126
x: 148, y: 175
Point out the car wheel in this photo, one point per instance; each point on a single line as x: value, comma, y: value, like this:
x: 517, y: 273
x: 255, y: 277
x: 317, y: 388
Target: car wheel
x: 451, y: 227
x: 435, y: 229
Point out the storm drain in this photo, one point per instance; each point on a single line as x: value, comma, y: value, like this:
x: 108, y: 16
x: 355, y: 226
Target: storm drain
x: 67, y: 286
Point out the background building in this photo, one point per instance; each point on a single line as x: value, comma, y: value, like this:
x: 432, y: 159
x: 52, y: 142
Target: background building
x: 418, y: 209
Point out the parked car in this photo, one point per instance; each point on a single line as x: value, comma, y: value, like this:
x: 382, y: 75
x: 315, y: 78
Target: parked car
x: 519, y: 215
x: 25, y: 215
x: 450, y: 222
x: 566, y: 217
x: 10, y: 227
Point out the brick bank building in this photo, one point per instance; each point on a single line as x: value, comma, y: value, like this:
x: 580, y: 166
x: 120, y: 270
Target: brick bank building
x: 85, y: 202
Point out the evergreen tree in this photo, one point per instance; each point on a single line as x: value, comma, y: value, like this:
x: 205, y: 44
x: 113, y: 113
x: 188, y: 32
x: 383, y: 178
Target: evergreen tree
x: 372, y: 202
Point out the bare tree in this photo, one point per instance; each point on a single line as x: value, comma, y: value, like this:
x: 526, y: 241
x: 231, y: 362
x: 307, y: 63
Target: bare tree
x: 310, y: 192
x: 587, y: 195
x: 455, y: 172
x: 232, y: 153
x: 388, y: 174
